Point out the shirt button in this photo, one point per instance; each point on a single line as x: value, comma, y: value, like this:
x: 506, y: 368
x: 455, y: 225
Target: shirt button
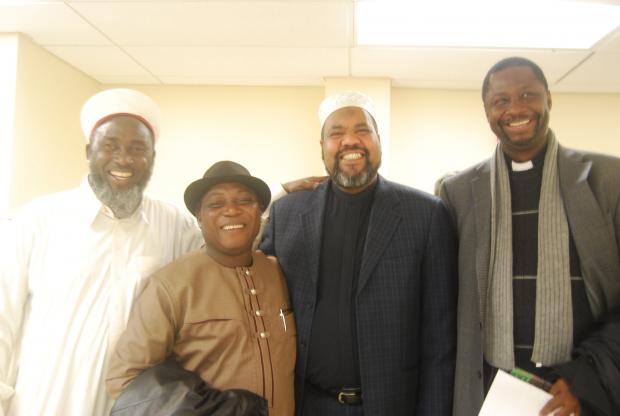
x: 259, y: 312
x: 264, y: 334
x: 247, y: 272
x: 253, y: 291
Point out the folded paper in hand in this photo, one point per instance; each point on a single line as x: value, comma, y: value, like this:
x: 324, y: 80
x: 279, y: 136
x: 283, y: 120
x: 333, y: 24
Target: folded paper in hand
x: 509, y: 396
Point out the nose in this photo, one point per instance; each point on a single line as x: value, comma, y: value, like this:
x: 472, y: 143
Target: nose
x: 123, y: 157
x: 516, y: 105
x: 349, y: 139
x: 231, y: 209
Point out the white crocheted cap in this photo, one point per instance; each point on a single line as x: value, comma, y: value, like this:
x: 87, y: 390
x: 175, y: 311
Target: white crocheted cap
x: 345, y: 99
x: 117, y: 102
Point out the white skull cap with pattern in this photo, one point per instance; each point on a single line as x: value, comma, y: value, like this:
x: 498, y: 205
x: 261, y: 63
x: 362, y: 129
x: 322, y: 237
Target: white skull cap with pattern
x: 119, y: 102
x: 345, y: 99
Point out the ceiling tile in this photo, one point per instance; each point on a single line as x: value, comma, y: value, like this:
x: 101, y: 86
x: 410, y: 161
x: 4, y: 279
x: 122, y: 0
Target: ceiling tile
x: 147, y: 79
x: 221, y: 23
x: 97, y: 61
x: 611, y: 43
x: 242, y: 63
x: 48, y: 23
x: 428, y: 67
x: 247, y: 81
x: 599, y: 73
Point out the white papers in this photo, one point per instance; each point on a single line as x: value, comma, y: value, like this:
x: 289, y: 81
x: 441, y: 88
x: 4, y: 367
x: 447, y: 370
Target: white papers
x: 510, y: 396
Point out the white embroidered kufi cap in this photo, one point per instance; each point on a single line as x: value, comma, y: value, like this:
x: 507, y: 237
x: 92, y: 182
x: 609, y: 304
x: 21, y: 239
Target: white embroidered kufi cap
x: 118, y: 102
x: 345, y: 99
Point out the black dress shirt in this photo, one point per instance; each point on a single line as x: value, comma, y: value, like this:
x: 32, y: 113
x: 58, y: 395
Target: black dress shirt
x: 333, y: 360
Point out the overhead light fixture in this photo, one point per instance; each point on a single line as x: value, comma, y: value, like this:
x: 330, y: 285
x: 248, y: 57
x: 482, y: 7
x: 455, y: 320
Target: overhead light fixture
x: 544, y: 24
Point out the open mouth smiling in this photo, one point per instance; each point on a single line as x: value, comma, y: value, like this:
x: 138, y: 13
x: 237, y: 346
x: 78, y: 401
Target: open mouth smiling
x: 120, y: 175
x: 232, y: 227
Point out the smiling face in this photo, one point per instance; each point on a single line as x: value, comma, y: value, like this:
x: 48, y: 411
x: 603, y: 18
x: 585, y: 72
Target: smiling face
x: 351, y: 149
x: 120, y: 156
x: 517, y: 106
x: 229, y: 216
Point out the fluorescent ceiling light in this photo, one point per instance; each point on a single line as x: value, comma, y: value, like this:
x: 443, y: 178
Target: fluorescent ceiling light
x: 545, y: 24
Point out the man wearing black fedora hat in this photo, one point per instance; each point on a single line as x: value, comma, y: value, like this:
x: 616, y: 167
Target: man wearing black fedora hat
x: 222, y: 311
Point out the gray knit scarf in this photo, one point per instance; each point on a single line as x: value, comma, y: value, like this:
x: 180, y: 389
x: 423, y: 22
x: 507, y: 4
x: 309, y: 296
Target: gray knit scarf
x: 553, y: 337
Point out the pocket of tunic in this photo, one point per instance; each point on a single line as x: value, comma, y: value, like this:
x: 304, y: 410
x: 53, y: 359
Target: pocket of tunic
x: 285, y: 323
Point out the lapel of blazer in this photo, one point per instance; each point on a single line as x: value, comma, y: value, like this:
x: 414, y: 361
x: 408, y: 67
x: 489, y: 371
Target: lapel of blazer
x: 481, y: 195
x: 312, y: 228
x: 589, y: 228
x: 384, y: 218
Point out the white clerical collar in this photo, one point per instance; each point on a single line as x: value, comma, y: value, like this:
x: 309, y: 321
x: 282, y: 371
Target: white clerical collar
x: 522, y: 166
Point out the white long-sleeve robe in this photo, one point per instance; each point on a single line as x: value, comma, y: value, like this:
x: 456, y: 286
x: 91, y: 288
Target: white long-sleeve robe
x: 68, y: 276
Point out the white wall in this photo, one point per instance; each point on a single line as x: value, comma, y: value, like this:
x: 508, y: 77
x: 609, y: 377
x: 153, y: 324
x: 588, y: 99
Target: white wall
x: 273, y: 131
x: 48, y: 147
x: 438, y: 131
x: 8, y: 73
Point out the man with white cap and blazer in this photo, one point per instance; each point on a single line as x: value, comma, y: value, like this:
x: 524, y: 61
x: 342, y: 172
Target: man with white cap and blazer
x: 77, y: 258
x: 370, y: 267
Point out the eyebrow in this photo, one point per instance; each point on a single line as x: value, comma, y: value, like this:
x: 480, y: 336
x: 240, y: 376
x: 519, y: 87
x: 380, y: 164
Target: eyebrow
x: 339, y: 126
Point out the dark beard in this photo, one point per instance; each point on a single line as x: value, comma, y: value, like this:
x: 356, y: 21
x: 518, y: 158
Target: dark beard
x: 360, y: 180
x: 122, y: 203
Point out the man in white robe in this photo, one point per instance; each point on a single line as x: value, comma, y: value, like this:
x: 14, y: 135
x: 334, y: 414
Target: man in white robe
x: 73, y: 261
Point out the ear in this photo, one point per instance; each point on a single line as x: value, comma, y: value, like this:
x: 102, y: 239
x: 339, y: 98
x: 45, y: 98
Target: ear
x: 549, y: 101
x: 88, y: 151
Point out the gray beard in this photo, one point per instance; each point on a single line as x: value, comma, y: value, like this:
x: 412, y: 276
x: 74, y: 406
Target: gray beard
x: 122, y: 203
x: 356, y: 181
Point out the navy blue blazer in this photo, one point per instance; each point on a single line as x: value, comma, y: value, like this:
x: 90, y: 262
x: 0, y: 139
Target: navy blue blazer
x: 405, y: 301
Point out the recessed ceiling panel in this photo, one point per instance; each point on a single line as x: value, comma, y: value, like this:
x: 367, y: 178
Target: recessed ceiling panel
x: 426, y: 67
x: 97, y: 61
x: 48, y: 23
x: 242, y: 63
x: 221, y: 23
x: 147, y: 79
x: 611, y: 43
x: 249, y: 81
x: 599, y: 73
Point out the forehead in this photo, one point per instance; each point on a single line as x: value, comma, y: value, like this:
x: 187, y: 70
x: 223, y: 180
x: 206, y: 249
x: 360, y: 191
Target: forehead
x: 520, y: 76
x: 348, y: 115
x: 125, y: 127
x: 228, y: 188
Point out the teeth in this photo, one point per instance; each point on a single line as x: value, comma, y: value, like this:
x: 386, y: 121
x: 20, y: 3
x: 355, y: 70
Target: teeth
x: 352, y: 156
x: 518, y: 123
x: 121, y: 174
x: 232, y: 227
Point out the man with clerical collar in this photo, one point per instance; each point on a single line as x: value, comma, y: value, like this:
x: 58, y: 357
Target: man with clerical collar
x: 370, y: 266
x: 539, y: 269
x: 77, y: 258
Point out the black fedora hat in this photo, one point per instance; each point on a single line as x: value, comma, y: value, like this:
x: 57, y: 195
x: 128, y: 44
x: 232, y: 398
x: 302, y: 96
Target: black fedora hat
x: 221, y: 172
